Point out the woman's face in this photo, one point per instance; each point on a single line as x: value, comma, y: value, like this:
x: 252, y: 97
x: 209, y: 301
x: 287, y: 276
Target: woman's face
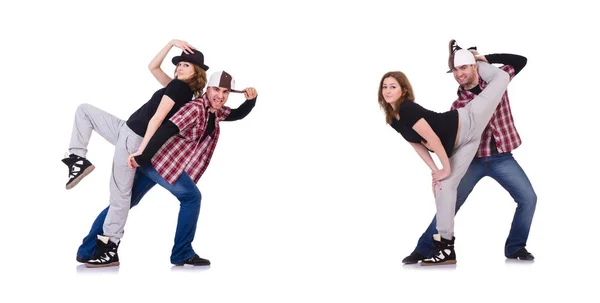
x: 391, y: 90
x: 184, y: 70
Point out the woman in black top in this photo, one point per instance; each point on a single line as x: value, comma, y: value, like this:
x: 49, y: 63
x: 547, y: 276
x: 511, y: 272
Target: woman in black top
x: 132, y: 136
x: 453, y: 136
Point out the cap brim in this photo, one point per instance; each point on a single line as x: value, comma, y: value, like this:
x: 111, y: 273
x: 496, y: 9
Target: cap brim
x: 236, y: 91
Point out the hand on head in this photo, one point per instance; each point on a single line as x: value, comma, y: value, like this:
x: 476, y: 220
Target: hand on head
x: 183, y: 45
x: 250, y: 93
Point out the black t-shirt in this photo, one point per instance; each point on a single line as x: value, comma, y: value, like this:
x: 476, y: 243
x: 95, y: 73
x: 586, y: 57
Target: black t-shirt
x: 177, y: 90
x: 444, y: 125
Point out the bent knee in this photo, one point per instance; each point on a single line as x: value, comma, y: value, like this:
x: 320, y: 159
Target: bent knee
x: 529, y: 199
x: 190, y: 197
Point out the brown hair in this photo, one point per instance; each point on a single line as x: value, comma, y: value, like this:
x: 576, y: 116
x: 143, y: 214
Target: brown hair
x: 197, y: 82
x: 407, y: 94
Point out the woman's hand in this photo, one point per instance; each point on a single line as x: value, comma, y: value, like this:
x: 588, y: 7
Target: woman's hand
x: 434, y: 182
x: 440, y: 175
x: 183, y: 45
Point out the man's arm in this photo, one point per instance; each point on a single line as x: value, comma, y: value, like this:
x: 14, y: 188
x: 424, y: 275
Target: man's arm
x: 164, y: 133
x: 183, y: 119
x: 242, y: 111
x: 516, y: 61
x: 246, y: 107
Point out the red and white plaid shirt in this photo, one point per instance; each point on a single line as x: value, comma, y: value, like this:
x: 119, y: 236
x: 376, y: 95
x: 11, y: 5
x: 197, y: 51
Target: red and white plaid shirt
x: 184, y: 151
x: 501, y: 126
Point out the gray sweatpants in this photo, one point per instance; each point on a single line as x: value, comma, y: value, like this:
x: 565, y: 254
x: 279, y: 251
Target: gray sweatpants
x: 474, y: 118
x: 126, y: 142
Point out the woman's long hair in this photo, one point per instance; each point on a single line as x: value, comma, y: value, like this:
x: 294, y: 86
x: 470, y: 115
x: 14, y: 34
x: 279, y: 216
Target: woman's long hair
x: 407, y: 94
x: 197, y: 82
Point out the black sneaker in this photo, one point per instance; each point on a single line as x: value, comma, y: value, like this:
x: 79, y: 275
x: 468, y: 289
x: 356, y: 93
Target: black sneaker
x: 522, y: 254
x: 413, y: 258
x: 79, y: 167
x: 106, y: 253
x: 194, y: 260
x: 444, y: 252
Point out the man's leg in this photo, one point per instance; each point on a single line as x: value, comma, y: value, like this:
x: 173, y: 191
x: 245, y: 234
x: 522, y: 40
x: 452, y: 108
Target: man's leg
x: 476, y: 171
x: 186, y: 191
x: 141, y: 185
x: 511, y: 176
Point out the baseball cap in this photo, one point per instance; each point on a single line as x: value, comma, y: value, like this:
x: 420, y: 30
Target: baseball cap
x: 222, y: 79
x: 459, y: 58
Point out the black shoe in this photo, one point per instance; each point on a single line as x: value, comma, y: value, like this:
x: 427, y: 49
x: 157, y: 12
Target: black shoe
x: 106, y: 254
x: 522, y: 254
x: 82, y: 259
x: 444, y: 252
x: 79, y: 167
x: 452, y: 47
x: 413, y: 258
x: 194, y: 260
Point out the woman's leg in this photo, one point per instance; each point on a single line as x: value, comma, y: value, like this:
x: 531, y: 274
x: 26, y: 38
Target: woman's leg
x: 141, y: 185
x: 88, y: 118
x: 121, y: 184
x: 484, y: 105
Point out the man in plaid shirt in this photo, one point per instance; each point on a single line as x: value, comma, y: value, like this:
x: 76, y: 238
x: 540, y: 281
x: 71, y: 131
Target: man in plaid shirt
x: 493, y: 159
x: 176, y: 157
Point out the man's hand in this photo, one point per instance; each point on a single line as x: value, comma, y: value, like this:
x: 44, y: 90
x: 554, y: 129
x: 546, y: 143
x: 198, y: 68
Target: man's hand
x: 131, y: 161
x: 250, y: 93
x: 477, y: 56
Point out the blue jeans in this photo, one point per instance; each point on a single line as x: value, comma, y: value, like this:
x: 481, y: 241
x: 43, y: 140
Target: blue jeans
x: 184, y: 189
x: 506, y: 171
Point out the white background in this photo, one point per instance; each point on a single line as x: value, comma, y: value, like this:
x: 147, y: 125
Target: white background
x: 312, y: 197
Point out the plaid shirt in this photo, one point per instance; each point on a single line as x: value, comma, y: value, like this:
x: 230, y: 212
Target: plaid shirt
x: 501, y: 126
x: 184, y: 151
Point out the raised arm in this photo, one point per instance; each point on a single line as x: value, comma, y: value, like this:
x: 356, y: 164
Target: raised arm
x: 155, y: 64
x: 243, y: 110
x: 516, y: 61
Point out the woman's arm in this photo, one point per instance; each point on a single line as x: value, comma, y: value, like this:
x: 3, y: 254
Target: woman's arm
x: 425, y: 155
x: 165, y: 106
x: 435, y: 144
x: 155, y: 64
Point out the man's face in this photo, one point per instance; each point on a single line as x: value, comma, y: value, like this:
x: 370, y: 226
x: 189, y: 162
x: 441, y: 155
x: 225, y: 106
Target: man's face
x: 466, y: 75
x: 217, y: 96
